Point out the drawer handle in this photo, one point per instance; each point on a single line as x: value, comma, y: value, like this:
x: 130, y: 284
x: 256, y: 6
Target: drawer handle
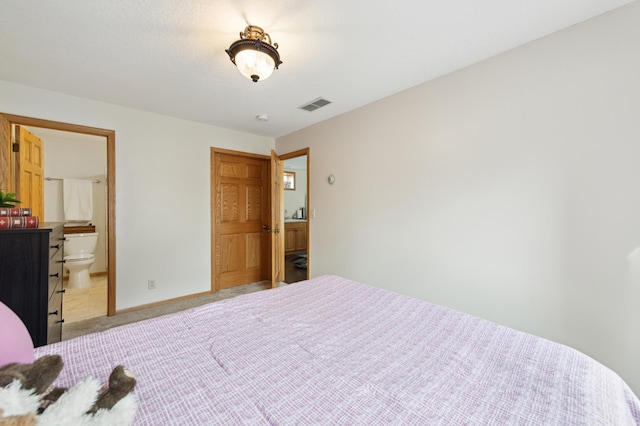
x: 62, y: 291
x: 57, y: 246
x: 57, y: 274
x: 53, y: 313
x: 60, y: 322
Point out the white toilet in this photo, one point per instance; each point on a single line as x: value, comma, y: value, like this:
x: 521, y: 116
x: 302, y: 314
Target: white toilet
x: 78, y: 257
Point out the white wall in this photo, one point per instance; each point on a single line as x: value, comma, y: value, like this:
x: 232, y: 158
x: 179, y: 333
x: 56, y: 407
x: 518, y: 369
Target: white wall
x: 162, y: 188
x: 295, y: 198
x: 509, y: 190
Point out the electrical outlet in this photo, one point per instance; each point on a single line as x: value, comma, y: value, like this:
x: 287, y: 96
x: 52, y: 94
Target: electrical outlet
x: 151, y: 284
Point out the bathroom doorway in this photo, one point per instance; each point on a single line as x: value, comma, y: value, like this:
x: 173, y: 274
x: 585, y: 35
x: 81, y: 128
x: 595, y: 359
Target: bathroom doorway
x: 296, y: 216
x: 82, y: 158
x: 79, y: 135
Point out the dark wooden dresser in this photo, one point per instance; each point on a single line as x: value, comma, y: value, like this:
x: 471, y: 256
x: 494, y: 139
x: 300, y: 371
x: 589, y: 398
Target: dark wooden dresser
x: 31, y: 262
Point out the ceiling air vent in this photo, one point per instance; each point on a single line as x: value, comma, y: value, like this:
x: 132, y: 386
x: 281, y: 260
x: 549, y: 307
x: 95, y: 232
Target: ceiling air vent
x: 314, y: 104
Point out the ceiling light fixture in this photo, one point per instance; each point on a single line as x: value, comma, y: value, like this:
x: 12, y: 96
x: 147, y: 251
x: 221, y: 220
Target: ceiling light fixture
x: 254, y: 54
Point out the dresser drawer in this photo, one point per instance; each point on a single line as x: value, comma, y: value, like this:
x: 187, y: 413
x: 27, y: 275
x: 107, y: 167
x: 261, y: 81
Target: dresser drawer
x: 55, y: 273
x: 56, y: 259
x: 56, y: 242
x: 55, y: 281
x: 54, y: 318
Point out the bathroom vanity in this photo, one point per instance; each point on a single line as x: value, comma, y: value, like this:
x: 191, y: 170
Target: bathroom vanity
x: 31, y: 262
x: 295, y: 235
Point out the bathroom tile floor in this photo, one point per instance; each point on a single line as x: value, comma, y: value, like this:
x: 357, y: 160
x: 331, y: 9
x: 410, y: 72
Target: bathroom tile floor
x: 80, y: 304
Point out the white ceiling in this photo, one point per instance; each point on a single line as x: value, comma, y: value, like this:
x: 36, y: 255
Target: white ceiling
x: 167, y: 56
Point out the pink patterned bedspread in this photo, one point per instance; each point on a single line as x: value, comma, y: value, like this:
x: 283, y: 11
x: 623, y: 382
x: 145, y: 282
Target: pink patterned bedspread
x: 332, y: 351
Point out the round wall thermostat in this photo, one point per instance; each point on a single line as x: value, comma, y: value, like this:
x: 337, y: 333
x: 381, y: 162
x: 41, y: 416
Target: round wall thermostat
x: 331, y: 179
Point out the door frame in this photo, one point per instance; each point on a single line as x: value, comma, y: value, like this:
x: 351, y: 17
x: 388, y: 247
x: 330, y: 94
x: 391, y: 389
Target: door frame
x: 110, y: 135
x: 294, y: 154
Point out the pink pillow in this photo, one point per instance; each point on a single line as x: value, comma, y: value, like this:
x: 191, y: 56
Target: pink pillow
x: 15, y: 341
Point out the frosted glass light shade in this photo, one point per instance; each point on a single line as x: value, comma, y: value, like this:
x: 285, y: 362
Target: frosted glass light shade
x: 255, y: 64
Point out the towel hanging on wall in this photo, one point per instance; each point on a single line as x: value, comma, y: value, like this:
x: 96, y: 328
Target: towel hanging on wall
x: 78, y: 199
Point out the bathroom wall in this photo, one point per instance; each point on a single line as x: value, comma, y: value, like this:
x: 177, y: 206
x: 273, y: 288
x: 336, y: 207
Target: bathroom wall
x: 73, y: 155
x: 296, y: 198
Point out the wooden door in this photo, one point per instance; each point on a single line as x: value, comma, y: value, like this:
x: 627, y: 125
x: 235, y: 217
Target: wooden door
x: 30, y: 171
x: 277, y: 220
x: 241, y: 212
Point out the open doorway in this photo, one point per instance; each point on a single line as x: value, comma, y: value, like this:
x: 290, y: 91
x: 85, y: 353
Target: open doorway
x: 8, y: 121
x: 78, y: 157
x: 244, y: 252
x: 296, y: 215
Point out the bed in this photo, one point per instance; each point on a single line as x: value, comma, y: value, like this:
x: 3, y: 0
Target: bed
x: 333, y: 351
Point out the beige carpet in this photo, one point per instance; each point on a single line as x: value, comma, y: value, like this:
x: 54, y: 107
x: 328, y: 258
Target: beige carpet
x: 92, y: 325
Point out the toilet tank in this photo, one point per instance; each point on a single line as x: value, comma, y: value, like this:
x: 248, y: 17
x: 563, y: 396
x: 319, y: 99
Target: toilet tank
x: 80, y: 243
